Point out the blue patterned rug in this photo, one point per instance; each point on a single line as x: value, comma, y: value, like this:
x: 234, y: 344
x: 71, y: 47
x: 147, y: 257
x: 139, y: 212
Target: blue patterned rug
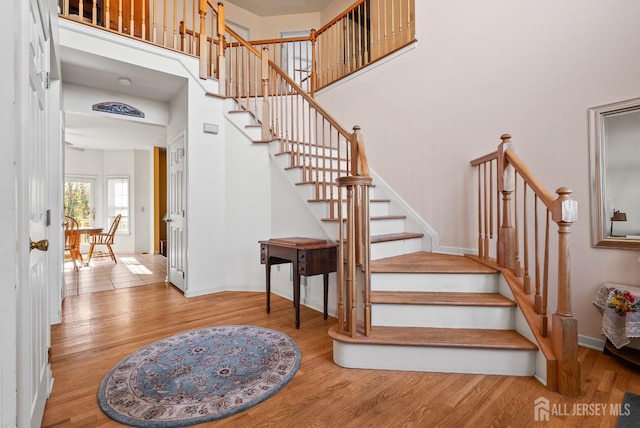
x: 199, y: 376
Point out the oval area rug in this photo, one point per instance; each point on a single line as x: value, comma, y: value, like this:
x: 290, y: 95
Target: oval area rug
x: 198, y: 376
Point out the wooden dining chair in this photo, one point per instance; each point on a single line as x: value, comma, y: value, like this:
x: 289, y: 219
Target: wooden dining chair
x: 72, y: 240
x: 104, y: 238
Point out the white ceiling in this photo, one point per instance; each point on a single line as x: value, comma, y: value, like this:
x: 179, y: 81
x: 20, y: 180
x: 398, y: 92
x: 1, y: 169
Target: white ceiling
x: 281, y: 7
x: 86, y: 69
x: 99, y: 130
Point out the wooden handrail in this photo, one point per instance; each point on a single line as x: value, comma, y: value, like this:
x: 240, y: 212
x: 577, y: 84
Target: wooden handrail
x: 281, y: 40
x: 484, y: 159
x: 310, y: 100
x: 545, y: 196
x: 336, y: 19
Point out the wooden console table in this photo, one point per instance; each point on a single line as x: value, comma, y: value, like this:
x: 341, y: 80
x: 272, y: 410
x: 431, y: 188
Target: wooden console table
x: 309, y: 257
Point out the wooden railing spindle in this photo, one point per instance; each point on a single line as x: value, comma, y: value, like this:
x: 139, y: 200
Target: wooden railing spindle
x: 132, y: 24
x: 526, y: 278
x: 545, y: 279
x: 538, y: 292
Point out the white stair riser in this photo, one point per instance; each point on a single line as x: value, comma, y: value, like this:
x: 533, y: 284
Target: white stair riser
x: 287, y: 161
x: 309, y: 149
x: 254, y: 133
x: 386, y: 226
x: 441, y: 316
x: 296, y: 174
x: 445, y: 282
x: 241, y: 119
x: 376, y: 208
x: 435, y: 359
x: 381, y: 250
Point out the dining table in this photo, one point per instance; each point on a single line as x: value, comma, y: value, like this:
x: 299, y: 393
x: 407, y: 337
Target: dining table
x: 87, y: 231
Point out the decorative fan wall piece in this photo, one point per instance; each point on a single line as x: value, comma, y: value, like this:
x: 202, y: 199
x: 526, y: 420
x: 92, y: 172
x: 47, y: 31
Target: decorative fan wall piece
x: 118, y: 108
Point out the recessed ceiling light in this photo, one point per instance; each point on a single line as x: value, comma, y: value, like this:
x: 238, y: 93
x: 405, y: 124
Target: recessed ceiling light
x: 124, y: 81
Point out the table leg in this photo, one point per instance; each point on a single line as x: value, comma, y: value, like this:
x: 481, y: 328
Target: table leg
x: 268, y: 276
x: 326, y: 294
x: 296, y: 293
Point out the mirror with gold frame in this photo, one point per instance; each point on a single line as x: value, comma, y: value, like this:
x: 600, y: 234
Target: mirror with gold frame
x: 614, y: 139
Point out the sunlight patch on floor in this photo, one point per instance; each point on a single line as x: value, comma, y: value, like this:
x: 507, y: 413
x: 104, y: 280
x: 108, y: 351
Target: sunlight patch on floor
x: 135, y: 266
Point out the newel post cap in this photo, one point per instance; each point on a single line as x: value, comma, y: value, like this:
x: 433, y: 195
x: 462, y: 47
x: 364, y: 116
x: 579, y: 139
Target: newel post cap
x: 566, y: 209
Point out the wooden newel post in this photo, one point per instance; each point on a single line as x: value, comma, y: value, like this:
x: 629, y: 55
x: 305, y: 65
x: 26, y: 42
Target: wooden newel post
x: 565, y: 326
x: 266, y: 120
x: 222, y: 45
x: 204, y: 56
x: 182, y: 32
x: 506, y: 184
x: 354, y: 151
x: 314, y: 74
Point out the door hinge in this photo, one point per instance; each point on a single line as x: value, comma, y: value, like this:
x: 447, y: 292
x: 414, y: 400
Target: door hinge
x: 182, y: 275
x: 47, y: 80
x: 49, y: 355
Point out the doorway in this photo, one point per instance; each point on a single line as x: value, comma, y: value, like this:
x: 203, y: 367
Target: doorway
x: 80, y: 201
x: 177, y: 209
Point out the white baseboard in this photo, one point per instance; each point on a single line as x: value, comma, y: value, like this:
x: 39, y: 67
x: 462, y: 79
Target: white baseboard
x: 591, y: 342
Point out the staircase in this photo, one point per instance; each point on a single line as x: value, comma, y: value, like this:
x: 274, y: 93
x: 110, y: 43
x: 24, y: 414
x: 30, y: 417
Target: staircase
x: 401, y: 305
x: 430, y: 311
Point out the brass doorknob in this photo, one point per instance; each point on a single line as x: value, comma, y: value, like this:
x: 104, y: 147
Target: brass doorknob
x: 40, y: 245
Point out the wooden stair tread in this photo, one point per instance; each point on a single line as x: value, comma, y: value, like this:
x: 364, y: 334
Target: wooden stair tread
x: 381, y: 217
x: 306, y: 143
x: 440, y: 298
x: 312, y: 155
x: 439, y: 337
x: 427, y: 262
x: 334, y: 200
x: 321, y: 182
x: 395, y: 237
x: 335, y: 170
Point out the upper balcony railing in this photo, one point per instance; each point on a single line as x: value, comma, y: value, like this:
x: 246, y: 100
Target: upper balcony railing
x: 364, y: 33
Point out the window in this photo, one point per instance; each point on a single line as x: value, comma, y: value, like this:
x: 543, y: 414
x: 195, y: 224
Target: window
x: 79, y: 199
x: 118, y: 201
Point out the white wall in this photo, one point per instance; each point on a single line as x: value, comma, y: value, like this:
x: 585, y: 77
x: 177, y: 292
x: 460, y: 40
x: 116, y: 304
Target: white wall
x: 247, y: 206
x: 142, y: 204
x: 80, y: 99
x: 205, y: 163
x: 270, y: 27
x: 335, y: 8
x: 528, y: 68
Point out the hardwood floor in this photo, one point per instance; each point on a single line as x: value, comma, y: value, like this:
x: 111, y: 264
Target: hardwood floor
x: 102, y: 328
x: 102, y: 274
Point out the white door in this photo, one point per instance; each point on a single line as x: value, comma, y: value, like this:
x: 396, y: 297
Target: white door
x: 177, y: 206
x: 33, y: 333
